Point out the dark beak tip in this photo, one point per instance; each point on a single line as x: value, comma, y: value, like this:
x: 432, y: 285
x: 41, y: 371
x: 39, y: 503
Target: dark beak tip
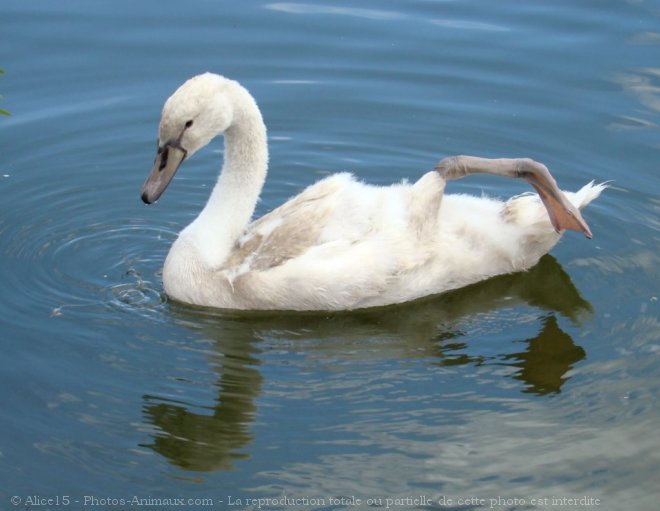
x: 146, y: 199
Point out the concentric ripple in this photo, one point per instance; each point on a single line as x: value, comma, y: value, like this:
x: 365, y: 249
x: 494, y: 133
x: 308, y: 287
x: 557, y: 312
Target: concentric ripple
x: 76, y: 255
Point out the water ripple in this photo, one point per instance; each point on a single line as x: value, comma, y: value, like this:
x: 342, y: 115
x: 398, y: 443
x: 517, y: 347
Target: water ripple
x: 75, y: 255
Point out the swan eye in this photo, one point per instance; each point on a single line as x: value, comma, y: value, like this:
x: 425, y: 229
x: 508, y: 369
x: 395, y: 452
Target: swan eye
x: 189, y: 123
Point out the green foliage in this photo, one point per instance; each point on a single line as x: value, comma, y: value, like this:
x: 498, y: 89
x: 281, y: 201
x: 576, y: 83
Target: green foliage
x: 3, y: 112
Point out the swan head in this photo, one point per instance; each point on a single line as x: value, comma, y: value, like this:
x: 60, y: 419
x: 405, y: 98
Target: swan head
x: 197, y: 112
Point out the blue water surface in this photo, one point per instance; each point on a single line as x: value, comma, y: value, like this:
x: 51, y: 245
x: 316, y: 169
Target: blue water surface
x: 514, y: 393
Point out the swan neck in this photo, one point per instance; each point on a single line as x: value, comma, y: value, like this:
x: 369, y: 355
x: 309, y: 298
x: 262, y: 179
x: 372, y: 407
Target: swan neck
x: 236, y: 192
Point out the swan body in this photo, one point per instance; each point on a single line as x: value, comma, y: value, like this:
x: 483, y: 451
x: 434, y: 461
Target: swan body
x: 340, y: 244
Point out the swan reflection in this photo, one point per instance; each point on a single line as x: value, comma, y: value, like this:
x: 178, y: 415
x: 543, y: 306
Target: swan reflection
x: 432, y: 330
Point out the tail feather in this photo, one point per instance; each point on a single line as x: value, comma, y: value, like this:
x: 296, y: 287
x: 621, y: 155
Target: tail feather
x: 586, y: 194
x: 528, y: 210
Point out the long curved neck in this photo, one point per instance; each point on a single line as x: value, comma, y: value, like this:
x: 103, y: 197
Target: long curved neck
x: 234, y: 197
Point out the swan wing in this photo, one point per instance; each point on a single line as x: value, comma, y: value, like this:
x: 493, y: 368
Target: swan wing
x: 338, y: 244
x: 291, y: 229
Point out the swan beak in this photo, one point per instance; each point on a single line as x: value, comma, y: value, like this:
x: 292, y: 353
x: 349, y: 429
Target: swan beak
x: 167, y: 161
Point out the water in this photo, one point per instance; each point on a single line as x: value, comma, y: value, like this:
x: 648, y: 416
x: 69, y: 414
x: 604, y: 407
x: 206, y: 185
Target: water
x: 532, y: 386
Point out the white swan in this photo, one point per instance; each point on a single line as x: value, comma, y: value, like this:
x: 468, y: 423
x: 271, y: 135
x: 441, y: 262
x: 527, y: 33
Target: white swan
x: 340, y: 244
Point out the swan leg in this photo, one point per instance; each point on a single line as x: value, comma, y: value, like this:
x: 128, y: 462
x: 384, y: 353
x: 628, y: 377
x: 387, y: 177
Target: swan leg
x: 562, y: 213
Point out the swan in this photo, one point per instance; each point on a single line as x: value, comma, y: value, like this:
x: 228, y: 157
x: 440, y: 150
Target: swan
x: 340, y: 244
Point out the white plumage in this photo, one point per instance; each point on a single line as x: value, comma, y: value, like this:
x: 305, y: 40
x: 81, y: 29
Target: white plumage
x: 340, y: 244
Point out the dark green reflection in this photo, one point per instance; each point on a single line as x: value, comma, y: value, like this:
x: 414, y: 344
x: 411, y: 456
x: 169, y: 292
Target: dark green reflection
x: 547, y: 358
x: 210, y: 439
x: 430, y: 329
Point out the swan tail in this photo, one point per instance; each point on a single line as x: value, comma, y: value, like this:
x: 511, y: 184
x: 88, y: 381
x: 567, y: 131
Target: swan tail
x: 586, y: 194
x: 527, y: 210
